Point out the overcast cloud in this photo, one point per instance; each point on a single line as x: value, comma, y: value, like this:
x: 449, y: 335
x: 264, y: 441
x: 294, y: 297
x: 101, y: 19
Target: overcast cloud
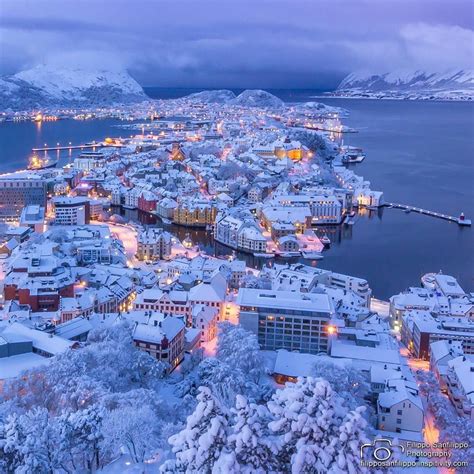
x: 245, y: 43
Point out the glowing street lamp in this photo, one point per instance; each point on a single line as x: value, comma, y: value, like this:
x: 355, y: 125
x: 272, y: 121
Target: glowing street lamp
x: 331, y: 330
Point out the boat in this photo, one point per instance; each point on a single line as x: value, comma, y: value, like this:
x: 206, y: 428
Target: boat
x: 311, y: 255
x: 289, y: 254
x: 263, y: 255
x: 325, y: 240
x: 165, y: 221
x: 428, y: 281
x: 37, y: 163
x: 352, y: 154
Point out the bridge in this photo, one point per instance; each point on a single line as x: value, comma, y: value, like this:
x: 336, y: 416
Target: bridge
x: 458, y: 220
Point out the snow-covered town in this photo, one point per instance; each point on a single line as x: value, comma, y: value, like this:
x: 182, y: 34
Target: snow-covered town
x: 236, y: 237
x: 123, y: 343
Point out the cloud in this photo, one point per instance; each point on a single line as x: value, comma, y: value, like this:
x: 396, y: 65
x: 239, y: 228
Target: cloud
x: 238, y: 43
x: 438, y: 47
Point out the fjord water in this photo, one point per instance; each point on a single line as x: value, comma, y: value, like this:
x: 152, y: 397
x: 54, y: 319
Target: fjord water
x: 418, y: 153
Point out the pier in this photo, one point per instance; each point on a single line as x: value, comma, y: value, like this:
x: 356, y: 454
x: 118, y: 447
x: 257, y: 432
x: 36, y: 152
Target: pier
x: 67, y: 147
x: 87, y: 146
x: 458, y: 220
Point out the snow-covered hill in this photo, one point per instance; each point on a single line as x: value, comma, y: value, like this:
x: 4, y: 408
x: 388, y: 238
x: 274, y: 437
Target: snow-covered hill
x: 453, y: 84
x: 257, y: 98
x: 45, y: 86
x: 220, y: 96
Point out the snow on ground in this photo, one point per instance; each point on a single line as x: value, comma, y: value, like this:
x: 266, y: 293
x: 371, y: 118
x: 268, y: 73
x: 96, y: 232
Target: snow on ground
x: 382, y: 308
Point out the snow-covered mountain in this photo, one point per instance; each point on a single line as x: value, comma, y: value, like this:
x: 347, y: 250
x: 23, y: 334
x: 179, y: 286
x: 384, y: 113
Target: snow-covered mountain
x: 44, y: 86
x: 220, y: 96
x: 453, y: 84
x: 257, y: 98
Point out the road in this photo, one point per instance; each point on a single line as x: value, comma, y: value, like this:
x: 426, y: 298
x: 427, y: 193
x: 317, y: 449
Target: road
x: 430, y: 431
x: 128, y: 235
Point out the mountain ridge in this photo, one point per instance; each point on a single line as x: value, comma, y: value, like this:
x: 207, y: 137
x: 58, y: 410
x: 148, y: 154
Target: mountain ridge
x: 44, y: 86
x: 451, y: 84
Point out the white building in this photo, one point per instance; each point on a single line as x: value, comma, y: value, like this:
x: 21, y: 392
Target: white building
x: 153, y: 244
x: 325, y: 209
x: 286, y: 319
x: 89, y: 160
x: 131, y: 198
x: 71, y: 210
x: 205, y: 319
x: 460, y: 385
x: 33, y: 216
x: 165, y: 208
x: 399, y: 408
x: 238, y: 233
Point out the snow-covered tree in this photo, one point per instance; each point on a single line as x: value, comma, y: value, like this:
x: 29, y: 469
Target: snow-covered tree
x: 347, y: 381
x: 223, y: 381
x: 307, y: 420
x: 30, y: 443
x: 82, y: 436
x: 347, y: 445
x: 240, y: 350
x: 249, y: 439
x: 133, y: 427
x: 200, y: 444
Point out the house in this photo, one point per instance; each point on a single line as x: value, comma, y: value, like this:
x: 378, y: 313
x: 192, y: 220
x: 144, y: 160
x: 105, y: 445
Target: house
x: 20, y: 234
x: 288, y: 243
x: 44, y: 344
x: 291, y: 365
x: 211, y: 292
x: 153, y: 244
x: 6, y: 248
x: 399, y: 408
x: 165, y: 208
x: 172, y: 302
x: 205, y: 319
x: 16, y: 356
x: 441, y: 352
x: 76, y: 329
x: 162, y: 337
x: 33, y: 216
x: 460, y: 385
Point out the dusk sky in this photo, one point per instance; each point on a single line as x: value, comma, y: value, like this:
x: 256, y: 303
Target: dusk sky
x: 245, y: 43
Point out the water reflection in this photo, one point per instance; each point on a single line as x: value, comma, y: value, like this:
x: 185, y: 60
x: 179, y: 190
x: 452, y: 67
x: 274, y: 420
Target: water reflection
x: 204, y: 239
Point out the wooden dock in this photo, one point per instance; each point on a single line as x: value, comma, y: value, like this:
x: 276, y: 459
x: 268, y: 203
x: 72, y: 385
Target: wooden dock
x: 458, y: 220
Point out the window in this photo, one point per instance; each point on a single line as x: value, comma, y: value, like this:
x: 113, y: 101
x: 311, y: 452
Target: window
x: 399, y: 412
x: 399, y: 421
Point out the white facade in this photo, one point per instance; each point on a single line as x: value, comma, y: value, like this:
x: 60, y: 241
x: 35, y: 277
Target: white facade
x: 286, y: 320
x: 153, y: 244
x: 399, y: 409
x: 89, y: 161
x: 71, y: 211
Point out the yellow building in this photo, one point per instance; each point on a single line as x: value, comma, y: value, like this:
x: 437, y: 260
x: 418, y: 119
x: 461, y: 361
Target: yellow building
x: 195, y: 214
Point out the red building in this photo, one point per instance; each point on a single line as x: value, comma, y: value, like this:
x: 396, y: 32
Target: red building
x: 147, y: 202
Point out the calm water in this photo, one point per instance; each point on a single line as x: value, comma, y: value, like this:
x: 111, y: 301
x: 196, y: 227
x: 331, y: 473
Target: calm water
x: 17, y: 139
x: 418, y: 153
